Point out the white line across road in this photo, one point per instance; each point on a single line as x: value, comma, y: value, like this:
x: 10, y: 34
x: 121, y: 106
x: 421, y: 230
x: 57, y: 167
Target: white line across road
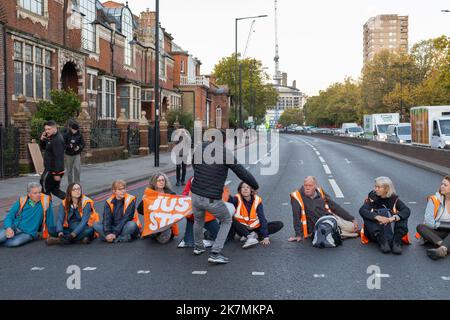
x: 37, y: 268
x: 382, y: 275
x: 322, y: 159
x: 228, y: 182
x: 257, y: 273
x: 201, y: 273
x: 336, y: 189
x: 143, y: 272
x: 90, y: 269
x: 327, y: 169
x: 445, y: 278
x: 318, y: 153
x: 319, y: 276
x: 348, y: 161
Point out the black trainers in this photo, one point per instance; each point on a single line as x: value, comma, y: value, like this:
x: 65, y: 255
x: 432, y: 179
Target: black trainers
x: 217, y: 258
x: 383, y: 243
x: 198, y: 250
x: 397, y: 245
x: 125, y: 238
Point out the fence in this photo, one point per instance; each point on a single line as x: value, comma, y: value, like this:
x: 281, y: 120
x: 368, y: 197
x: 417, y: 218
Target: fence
x: 134, y: 140
x: 105, y: 138
x: 9, y: 152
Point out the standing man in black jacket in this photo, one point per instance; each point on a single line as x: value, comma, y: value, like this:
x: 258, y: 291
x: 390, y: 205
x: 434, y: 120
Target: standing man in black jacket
x: 207, y: 188
x: 53, y: 144
x: 74, y: 146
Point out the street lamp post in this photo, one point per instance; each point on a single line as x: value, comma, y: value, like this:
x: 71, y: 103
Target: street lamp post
x: 236, y: 68
x: 156, y: 93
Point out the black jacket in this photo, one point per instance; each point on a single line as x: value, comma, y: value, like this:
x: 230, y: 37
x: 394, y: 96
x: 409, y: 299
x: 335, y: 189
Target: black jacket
x: 209, y: 179
x: 315, y: 209
x: 73, y: 140
x: 113, y: 222
x: 373, y: 202
x: 54, y: 154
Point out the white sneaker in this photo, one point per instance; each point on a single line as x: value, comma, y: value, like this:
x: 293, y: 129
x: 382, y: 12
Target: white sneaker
x: 182, y: 244
x: 253, y: 235
x: 208, y: 243
x: 243, y: 239
x: 250, y: 243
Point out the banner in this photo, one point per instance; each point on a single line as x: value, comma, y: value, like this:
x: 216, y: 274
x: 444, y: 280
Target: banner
x: 161, y: 211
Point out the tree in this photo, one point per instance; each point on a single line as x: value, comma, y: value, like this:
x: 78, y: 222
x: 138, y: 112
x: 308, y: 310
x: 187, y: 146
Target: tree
x: 257, y: 95
x: 63, y: 106
x: 291, y: 116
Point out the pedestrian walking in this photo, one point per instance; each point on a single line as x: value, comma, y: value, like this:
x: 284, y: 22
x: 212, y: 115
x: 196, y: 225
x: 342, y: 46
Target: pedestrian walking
x: 207, y: 189
x: 53, y: 143
x: 181, y: 160
x: 74, y: 146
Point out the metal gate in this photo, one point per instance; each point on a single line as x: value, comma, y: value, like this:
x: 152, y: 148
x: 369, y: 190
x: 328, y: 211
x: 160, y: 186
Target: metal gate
x: 9, y: 152
x: 134, y: 140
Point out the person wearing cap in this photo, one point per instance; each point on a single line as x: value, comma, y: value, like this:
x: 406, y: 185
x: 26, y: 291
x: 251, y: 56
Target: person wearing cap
x: 74, y: 142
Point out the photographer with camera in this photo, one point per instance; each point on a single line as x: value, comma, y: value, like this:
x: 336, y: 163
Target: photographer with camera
x: 385, y: 217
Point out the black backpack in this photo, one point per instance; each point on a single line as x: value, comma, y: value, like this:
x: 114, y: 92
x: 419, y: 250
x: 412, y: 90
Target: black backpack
x: 327, y: 234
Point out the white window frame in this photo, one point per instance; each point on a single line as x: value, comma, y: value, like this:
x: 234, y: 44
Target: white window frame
x: 134, y: 100
x: 103, y: 114
x: 218, y: 117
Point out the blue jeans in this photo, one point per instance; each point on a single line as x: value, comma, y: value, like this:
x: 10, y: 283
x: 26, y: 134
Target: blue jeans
x: 130, y: 228
x: 19, y: 239
x: 87, y: 232
x: 212, y: 227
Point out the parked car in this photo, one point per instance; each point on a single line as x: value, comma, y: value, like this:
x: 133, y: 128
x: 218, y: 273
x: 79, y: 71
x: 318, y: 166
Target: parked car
x: 299, y: 129
x: 354, y: 132
x: 399, y: 133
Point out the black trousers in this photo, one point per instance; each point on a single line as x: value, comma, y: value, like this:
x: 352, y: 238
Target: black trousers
x: 242, y: 231
x: 49, y: 185
x: 434, y: 236
x: 371, y: 229
x: 181, y: 172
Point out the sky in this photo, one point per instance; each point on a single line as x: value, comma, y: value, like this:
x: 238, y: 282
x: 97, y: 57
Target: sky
x: 320, y: 41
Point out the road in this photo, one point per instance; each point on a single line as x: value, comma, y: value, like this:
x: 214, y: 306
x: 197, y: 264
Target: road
x: 147, y: 270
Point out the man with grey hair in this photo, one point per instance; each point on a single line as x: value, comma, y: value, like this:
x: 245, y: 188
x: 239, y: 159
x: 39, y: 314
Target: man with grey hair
x: 310, y: 203
x: 26, y: 217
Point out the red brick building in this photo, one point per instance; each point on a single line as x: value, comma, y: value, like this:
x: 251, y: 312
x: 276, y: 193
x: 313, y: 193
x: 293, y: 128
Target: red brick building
x: 106, y: 54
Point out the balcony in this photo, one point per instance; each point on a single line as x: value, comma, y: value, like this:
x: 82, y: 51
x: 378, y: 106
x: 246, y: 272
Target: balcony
x: 194, y: 81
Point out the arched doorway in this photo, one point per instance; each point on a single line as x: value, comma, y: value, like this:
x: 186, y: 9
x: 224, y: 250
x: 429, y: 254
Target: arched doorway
x: 69, y: 77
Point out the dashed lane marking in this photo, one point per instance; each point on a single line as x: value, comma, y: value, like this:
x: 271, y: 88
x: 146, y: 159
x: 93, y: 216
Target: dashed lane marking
x: 318, y: 153
x: 37, y: 268
x: 319, y: 276
x: 322, y: 159
x: 336, y: 189
x: 90, y: 269
x: 382, y: 275
x: 201, y: 273
x: 143, y: 272
x: 412, y: 202
x: 327, y: 169
x: 445, y: 278
x: 348, y: 161
x: 347, y: 203
x: 285, y: 204
x: 255, y: 273
x: 228, y: 182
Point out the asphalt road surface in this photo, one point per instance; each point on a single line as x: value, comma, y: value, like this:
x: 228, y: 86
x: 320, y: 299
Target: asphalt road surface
x: 146, y: 270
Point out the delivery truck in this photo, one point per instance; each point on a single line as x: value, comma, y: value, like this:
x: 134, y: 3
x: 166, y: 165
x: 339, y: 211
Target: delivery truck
x: 375, y: 125
x: 430, y: 126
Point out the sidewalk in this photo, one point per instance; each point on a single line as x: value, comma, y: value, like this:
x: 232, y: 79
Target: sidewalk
x: 95, y: 178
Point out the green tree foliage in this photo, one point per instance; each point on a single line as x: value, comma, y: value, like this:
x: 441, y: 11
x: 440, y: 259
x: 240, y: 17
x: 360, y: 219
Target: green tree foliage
x: 185, y: 119
x: 63, y: 106
x: 257, y: 94
x: 291, y: 116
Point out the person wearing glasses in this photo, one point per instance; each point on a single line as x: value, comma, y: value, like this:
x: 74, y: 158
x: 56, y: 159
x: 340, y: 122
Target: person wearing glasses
x: 120, y: 221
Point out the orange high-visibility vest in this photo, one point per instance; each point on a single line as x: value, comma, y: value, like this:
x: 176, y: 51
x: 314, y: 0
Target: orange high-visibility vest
x: 297, y: 196
x: 128, y: 199
x: 45, y: 202
x: 174, y: 227
x: 250, y: 220
x: 84, y: 202
x: 365, y: 239
x: 436, y: 203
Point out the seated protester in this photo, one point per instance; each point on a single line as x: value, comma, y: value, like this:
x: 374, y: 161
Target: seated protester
x: 249, y: 220
x: 75, y: 219
x: 120, y: 221
x: 26, y: 217
x: 160, y: 183
x: 310, y: 203
x: 211, y: 225
x: 436, y: 228
x: 385, y: 217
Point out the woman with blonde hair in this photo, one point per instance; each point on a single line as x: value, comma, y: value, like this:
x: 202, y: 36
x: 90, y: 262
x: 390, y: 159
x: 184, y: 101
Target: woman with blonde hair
x: 436, y: 228
x: 160, y: 183
x: 385, y: 217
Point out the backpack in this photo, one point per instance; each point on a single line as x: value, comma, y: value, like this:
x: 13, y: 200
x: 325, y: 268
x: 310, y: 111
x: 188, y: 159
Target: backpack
x: 326, y: 233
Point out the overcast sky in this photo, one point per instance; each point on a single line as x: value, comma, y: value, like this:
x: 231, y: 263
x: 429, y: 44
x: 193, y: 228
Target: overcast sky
x: 321, y: 41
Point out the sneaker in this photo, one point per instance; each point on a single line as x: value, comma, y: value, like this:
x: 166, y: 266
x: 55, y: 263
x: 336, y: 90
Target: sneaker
x: 51, y: 241
x: 182, y: 244
x: 251, y: 242
x: 397, y: 246
x: 208, y: 243
x: 243, y: 239
x: 383, y: 243
x: 217, y: 258
x: 438, y: 253
x: 253, y: 235
x: 86, y: 240
x: 126, y: 238
x: 199, y: 250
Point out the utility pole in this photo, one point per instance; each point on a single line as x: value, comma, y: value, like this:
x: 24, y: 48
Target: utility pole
x: 157, y: 54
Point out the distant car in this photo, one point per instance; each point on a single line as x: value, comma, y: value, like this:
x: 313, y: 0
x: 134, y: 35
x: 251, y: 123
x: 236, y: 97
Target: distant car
x: 299, y: 129
x: 354, y: 132
x: 399, y: 133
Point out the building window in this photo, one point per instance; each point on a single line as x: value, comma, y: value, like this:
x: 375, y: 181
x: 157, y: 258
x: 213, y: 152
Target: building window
x: 130, y: 100
x: 127, y: 30
x: 182, y: 66
x: 32, y: 71
x: 35, y: 6
x: 88, y: 36
x: 218, y: 118
x: 137, y: 102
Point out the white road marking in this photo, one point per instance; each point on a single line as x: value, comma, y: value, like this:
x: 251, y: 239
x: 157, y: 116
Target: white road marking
x: 89, y: 269
x: 327, y: 169
x: 412, y: 202
x: 202, y: 273
x: 285, y: 204
x: 319, y: 276
x: 382, y: 275
x: 228, y: 182
x: 318, y: 153
x: 257, y: 273
x: 445, y: 278
x: 143, y: 272
x: 336, y: 189
x: 347, y: 203
x: 37, y: 268
x: 346, y: 160
x: 322, y: 159
x: 247, y: 168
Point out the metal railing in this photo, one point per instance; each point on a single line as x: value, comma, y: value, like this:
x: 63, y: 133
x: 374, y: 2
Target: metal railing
x: 194, y: 81
x: 9, y: 152
x: 105, y: 138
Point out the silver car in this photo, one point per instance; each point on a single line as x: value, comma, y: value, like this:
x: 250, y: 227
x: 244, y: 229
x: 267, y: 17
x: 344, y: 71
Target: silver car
x: 399, y: 133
